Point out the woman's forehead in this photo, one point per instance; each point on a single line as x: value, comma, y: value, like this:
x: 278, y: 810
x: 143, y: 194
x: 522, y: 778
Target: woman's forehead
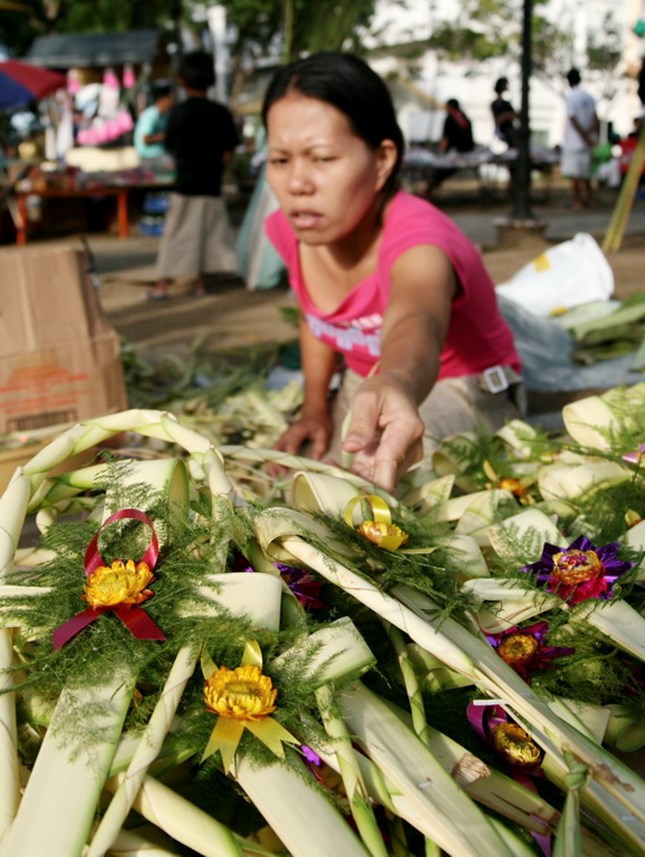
x: 302, y: 117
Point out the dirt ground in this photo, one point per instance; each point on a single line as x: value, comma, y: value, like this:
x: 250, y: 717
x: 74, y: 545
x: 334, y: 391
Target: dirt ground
x: 230, y: 316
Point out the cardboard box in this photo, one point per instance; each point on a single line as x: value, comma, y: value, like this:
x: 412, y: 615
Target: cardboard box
x: 60, y: 359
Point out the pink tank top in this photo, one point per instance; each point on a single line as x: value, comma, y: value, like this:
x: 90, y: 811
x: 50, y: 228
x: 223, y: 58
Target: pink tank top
x: 477, y: 338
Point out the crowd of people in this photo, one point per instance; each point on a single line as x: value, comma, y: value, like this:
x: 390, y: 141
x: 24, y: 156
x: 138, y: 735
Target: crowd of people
x: 580, y: 136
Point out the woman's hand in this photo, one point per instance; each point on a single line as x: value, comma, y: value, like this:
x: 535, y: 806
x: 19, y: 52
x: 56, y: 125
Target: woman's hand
x: 312, y: 430
x: 385, y: 432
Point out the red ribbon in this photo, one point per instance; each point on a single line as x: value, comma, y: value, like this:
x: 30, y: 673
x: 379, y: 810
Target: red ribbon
x: 133, y: 617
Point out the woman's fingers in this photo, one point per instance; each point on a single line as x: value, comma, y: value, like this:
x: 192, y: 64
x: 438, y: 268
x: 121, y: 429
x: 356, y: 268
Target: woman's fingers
x: 384, y: 463
x: 305, y: 437
x: 384, y: 434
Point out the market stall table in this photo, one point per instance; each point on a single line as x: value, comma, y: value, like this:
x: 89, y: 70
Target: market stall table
x: 119, y: 191
x: 483, y: 164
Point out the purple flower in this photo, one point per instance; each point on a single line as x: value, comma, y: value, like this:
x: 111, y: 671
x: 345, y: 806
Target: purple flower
x: 515, y: 746
x: 580, y: 571
x: 304, y: 585
x: 525, y: 649
x: 311, y: 757
x: 635, y: 457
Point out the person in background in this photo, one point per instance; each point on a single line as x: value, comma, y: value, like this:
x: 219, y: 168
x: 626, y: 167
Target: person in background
x: 504, y: 115
x: 150, y: 129
x: 456, y: 136
x: 201, y: 137
x: 457, y: 132
x: 580, y: 138
x: 627, y: 146
x: 383, y: 279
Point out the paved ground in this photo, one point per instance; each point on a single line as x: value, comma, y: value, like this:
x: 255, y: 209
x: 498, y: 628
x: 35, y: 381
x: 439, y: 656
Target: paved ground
x: 231, y: 315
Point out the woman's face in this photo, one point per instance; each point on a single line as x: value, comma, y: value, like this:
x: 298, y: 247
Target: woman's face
x: 326, y: 178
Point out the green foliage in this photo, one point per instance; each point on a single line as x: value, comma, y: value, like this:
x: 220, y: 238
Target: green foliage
x: 20, y: 26
x: 424, y: 571
x: 330, y: 25
x: 604, y: 49
x: 118, y: 15
x: 202, y: 377
x: 456, y: 42
x: 596, y: 674
x: 303, y: 26
x: 485, y: 29
x: 551, y: 48
x: 257, y: 22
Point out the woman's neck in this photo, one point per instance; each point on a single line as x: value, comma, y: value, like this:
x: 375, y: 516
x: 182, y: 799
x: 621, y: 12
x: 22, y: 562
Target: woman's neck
x: 331, y: 271
x: 351, y: 250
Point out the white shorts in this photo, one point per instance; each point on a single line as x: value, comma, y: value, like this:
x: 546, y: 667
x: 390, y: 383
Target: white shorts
x: 197, y: 238
x: 576, y: 165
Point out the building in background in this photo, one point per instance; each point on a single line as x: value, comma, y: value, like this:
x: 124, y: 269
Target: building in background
x: 471, y: 82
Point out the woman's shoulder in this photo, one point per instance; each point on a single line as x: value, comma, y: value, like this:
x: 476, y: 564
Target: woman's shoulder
x: 416, y: 214
x: 411, y: 221
x: 404, y: 202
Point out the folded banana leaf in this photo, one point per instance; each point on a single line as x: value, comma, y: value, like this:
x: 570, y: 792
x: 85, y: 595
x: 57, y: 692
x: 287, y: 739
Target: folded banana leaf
x: 611, y: 335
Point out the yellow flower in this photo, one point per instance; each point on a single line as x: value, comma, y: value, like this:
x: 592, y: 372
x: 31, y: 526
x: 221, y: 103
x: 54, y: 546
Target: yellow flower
x: 515, y: 486
x: 242, y: 694
x: 120, y: 583
x: 515, y: 745
x: 576, y: 566
x: 379, y: 529
x: 517, y: 649
x: 388, y: 536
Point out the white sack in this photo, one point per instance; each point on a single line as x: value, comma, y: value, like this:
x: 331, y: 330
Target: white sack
x: 569, y: 274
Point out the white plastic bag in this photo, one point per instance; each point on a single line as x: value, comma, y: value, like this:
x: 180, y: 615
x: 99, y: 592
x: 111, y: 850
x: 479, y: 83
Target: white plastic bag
x: 569, y: 274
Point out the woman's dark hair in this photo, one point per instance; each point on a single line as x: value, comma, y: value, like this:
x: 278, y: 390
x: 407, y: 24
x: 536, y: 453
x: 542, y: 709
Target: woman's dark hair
x: 501, y: 85
x: 351, y: 86
x: 196, y: 70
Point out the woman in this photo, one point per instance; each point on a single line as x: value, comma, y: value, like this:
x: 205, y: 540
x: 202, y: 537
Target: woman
x: 504, y: 115
x: 382, y: 278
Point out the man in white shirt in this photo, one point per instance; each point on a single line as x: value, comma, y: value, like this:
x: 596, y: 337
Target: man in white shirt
x: 580, y: 137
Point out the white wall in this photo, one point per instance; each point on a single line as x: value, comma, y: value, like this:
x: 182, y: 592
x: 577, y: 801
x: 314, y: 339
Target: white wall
x: 472, y: 83
x: 473, y: 88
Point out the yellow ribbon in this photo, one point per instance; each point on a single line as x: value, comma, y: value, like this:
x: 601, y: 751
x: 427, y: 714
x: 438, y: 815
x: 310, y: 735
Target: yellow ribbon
x: 228, y: 731
x: 386, y: 534
x: 379, y: 508
x: 382, y: 517
x: 252, y: 654
x: 225, y: 737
